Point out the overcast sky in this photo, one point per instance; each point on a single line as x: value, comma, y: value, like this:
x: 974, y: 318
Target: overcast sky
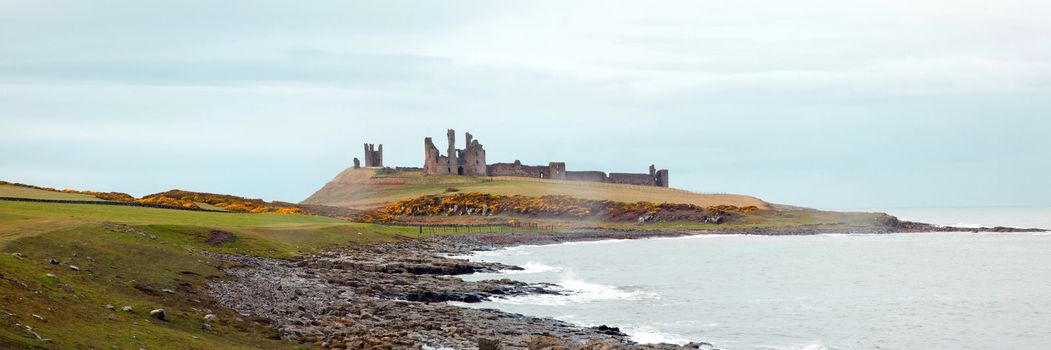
x: 828, y: 104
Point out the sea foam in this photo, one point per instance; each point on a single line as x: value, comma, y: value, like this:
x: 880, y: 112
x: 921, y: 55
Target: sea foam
x: 532, y: 267
x: 572, y: 291
x: 650, y: 335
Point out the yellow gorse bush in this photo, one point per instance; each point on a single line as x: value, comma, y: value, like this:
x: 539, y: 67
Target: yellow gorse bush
x: 227, y: 202
x: 476, y: 203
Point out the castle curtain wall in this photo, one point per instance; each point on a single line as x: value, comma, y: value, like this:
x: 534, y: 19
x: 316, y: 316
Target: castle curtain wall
x: 591, y: 176
x: 471, y: 161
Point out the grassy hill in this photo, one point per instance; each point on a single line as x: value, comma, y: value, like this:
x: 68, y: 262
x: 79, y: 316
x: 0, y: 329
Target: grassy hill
x: 27, y: 192
x: 365, y: 189
x: 128, y: 256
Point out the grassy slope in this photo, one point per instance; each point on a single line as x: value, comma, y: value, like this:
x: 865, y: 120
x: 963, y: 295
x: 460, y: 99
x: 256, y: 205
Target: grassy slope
x: 122, y: 268
x: 360, y: 189
x: 26, y: 192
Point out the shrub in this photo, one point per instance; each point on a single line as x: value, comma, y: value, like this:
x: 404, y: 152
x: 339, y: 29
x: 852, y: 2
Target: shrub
x: 475, y: 203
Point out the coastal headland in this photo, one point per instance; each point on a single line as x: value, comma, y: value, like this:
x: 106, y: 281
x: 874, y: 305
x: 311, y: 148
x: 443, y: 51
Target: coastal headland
x: 83, y: 269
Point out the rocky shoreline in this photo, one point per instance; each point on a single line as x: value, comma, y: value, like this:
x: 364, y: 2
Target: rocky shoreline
x: 393, y: 295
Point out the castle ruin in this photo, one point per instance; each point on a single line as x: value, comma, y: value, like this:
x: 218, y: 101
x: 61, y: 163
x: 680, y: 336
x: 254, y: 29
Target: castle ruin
x: 470, y: 161
x: 373, y: 157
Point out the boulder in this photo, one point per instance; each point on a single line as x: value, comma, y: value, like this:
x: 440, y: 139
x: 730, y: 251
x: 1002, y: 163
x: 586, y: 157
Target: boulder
x: 159, y: 314
x: 604, y: 329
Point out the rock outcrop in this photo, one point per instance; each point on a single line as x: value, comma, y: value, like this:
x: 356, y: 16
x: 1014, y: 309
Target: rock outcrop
x: 393, y: 296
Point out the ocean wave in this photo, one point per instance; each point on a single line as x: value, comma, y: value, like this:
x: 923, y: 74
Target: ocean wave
x: 835, y: 234
x: 532, y: 267
x: 964, y: 225
x: 816, y: 346
x: 649, y: 335
x: 575, y: 291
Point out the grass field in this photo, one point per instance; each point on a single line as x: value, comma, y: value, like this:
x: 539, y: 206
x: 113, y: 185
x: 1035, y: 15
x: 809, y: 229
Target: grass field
x: 127, y: 268
x: 26, y: 192
x: 362, y: 189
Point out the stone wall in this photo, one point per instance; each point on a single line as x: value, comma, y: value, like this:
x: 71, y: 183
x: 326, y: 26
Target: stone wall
x: 470, y: 161
x: 517, y: 169
x: 554, y: 170
x: 589, y: 176
x: 632, y: 179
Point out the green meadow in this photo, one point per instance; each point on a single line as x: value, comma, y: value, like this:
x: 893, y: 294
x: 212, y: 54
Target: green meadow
x: 127, y: 256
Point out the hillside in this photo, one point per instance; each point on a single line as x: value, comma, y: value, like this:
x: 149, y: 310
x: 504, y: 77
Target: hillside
x: 365, y: 189
x: 144, y: 258
x: 13, y: 191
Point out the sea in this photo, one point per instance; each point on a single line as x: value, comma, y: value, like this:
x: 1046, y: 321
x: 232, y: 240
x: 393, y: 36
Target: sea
x: 828, y: 291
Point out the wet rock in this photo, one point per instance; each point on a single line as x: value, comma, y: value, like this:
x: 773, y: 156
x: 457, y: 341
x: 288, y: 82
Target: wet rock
x: 393, y: 296
x: 604, y: 329
x: 699, y: 345
x: 159, y: 314
x: 439, y: 297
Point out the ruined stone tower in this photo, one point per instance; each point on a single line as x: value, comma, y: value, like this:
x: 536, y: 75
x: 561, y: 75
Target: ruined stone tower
x: 660, y: 177
x: 373, y: 157
x: 469, y: 161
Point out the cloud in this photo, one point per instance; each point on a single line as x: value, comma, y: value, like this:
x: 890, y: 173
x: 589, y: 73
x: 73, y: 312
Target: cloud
x: 792, y: 101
